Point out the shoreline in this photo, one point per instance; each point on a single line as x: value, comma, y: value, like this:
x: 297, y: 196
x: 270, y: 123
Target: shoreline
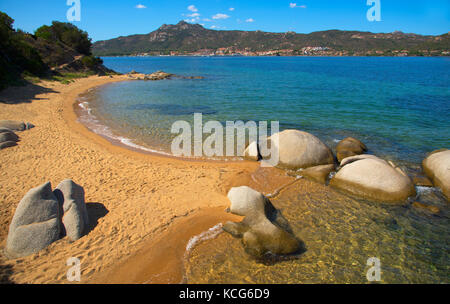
x: 133, y: 199
x: 128, y: 144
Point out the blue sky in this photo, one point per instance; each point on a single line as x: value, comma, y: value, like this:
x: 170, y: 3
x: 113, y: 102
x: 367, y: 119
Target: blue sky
x: 105, y: 19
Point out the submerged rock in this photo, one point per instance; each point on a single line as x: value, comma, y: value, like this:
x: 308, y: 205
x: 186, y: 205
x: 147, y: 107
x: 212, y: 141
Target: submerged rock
x: 422, y: 181
x: 300, y: 150
x: 428, y: 208
x: 374, y: 179
x: 75, y: 218
x: 349, y: 147
x: 263, y: 230
x: 437, y: 167
x: 36, y: 222
x: 319, y: 173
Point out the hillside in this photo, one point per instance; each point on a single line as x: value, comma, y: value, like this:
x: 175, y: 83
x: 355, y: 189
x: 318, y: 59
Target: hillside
x: 184, y: 38
x: 57, y: 52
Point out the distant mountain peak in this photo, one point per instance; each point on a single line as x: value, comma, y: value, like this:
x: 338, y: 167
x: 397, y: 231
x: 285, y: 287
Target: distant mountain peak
x: 182, y: 25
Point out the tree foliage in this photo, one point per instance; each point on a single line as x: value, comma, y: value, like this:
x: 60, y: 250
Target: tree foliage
x: 52, y: 49
x: 68, y: 34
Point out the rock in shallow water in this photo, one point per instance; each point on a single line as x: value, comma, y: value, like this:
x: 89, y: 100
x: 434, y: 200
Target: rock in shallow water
x: 349, y: 147
x: 437, y: 167
x: 36, y: 222
x: 263, y: 230
x: 299, y: 150
x: 318, y: 174
x: 428, y: 208
x: 374, y: 179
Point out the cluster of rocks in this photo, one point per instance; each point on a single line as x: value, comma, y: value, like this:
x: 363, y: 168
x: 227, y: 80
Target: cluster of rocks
x: 8, y: 137
x: 354, y: 172
x: 44, y: 216
x: 159, y: 75
x: 264, y: 230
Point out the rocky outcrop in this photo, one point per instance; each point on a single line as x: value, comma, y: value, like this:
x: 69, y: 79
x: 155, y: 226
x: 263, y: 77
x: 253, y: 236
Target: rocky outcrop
x: 15, y: 125
x: 8, y: 136
x: 264, y: 230
x: 349, y: 147
x: 44, y: 216
x: 159, y: 75
x: 75, y: 219
x: 437, y: 167
x: 7, y: 144
x: 36, y: 223
x: 318, y: 174
x: 299, y: 150
x: 374, y: 179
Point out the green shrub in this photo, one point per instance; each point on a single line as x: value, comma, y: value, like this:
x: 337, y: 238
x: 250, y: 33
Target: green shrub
x: 91, y: 61
x: 68, y: 34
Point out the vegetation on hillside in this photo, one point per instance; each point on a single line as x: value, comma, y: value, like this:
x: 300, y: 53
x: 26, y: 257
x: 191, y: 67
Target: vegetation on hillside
x: 57, y: 52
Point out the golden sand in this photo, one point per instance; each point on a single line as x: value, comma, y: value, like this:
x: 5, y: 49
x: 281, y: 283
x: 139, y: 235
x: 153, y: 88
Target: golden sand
x: 144, y: 208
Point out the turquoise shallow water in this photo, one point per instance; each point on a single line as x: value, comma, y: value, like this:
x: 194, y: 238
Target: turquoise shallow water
x: 399, y: 107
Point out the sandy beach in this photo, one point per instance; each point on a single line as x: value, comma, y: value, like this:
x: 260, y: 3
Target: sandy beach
x: 143, y: 208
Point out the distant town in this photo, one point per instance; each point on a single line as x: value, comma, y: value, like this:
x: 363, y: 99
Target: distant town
x: 306, y: 51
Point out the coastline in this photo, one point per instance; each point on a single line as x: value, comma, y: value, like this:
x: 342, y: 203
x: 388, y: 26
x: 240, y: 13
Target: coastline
x: 133, y: 199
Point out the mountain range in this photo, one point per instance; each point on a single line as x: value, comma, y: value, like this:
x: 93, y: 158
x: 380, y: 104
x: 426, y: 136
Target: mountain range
x: 193, y: 39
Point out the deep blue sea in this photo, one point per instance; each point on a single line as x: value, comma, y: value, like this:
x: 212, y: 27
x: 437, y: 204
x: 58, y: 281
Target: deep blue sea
x: 399, y: 107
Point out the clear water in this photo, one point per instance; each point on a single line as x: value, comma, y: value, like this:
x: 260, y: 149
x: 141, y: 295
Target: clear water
x: 399, y: 107
x: 341, y: 234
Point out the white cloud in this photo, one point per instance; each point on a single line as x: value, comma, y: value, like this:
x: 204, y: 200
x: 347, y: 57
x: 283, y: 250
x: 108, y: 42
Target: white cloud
x: 213, y: 26
x: 231, y: 9
x: 294, y: 5
x: 250, y: 20
x: 140, y: 6
x: 207, y: 20
x: 192, y: 8
x: 220, y: 16
x: 194, y: 15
